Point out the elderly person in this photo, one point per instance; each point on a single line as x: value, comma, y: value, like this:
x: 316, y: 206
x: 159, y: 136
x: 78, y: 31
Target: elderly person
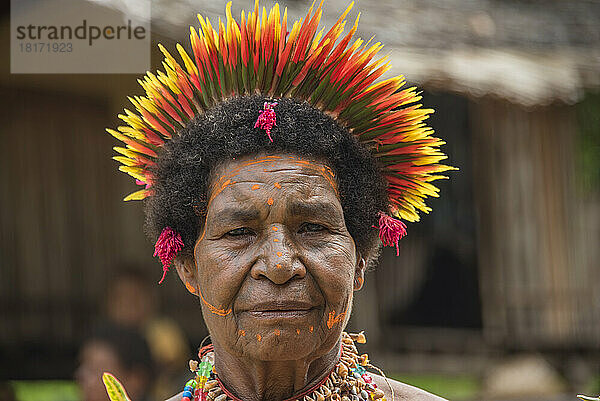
x: 274, y: 169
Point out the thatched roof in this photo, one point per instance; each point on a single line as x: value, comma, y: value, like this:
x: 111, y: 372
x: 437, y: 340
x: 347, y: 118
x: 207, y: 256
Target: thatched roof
x: 530, y: 52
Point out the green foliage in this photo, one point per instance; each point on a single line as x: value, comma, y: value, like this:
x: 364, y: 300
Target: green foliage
x: 588, y: 143
x: 46, y: 390
x: 463, y: 387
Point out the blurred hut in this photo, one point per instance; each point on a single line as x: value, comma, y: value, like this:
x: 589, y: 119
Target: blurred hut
x: 508, y: 260
x: 509, y: 80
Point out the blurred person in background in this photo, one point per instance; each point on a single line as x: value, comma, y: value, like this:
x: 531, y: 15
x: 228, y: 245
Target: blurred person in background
x: 118, y: 349
x: 131, y: 302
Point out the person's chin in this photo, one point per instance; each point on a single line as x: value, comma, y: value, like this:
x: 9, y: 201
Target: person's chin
x: 284, y: 344
x: 281, y: 335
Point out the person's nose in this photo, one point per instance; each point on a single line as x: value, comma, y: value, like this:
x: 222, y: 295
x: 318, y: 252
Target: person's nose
x: 279, y: 261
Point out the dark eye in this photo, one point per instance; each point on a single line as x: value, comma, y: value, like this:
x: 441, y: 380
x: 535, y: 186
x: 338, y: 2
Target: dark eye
x: 311, y: 228
x: 238, y: 232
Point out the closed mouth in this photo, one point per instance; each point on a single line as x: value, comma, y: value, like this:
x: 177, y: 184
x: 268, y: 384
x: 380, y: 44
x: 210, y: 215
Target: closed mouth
x: 279, y: 314
x: 280, y: 309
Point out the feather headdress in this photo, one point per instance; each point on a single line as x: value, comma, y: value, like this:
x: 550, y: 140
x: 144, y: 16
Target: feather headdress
x: 263, y: 54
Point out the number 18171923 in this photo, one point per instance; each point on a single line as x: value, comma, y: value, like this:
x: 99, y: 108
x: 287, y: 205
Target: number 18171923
x: 46, y: 47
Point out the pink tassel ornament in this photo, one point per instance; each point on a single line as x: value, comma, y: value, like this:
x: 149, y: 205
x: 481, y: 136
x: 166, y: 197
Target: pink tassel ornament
x: 391, y: 230
x: 140, y: 182
x: 168, y: 244
x: 267, y: 119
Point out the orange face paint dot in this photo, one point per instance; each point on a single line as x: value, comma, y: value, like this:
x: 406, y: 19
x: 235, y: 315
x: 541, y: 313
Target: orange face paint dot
x: 255, y: 186
x: 275, y: 228
x: 311, y: 329
x: 298, y: 331
x: 243, y: 333
x: 278, y: 265
x: 279, y: 253
x: 270, y: 201
x: 277, y: 332
x: 277, y: 185
x: 275, y: 240
x: 259, y: 337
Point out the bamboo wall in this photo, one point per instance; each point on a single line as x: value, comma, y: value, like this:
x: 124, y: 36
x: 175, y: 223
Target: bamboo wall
x: 538, y: 287
x: 64, y: 229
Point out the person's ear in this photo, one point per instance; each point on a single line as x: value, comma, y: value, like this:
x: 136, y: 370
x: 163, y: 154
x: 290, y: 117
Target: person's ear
x: 359, y: 272
x: 186, y: 270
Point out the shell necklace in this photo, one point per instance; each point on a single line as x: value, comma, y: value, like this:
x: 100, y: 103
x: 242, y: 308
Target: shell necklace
x: 348, y: 381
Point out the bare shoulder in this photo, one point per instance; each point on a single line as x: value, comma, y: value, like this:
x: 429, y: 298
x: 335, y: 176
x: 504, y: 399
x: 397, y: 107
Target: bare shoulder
x: 402, y: 391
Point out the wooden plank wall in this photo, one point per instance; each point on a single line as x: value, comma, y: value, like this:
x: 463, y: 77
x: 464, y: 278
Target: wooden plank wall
x: 537, y: 292
x: 64, y: 229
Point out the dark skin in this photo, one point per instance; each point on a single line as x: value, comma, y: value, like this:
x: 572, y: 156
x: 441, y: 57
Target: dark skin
x: 275, y: 270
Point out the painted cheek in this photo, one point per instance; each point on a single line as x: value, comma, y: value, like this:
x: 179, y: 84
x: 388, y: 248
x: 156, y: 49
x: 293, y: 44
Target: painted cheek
x: 213, y: 309
x: 333, y: 319
x: 208, y: 298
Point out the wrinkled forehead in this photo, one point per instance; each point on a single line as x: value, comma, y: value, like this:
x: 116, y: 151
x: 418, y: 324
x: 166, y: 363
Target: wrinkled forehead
x: 243, y: 176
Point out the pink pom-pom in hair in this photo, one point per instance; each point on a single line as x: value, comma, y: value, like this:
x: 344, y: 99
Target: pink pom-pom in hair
x: 391, y: 230
x: 168, y: 244
x: 267, y: 119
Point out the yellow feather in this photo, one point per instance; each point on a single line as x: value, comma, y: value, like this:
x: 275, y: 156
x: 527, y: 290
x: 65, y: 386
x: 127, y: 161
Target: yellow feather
x: 135, y: 172
x: 137, y: 195
x: 125, y: 160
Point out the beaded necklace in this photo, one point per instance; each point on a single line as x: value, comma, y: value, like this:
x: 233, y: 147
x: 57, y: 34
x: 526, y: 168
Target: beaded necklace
x: 348, y: 381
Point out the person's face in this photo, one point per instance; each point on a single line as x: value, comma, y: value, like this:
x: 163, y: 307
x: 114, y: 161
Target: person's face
x: 275, y: 267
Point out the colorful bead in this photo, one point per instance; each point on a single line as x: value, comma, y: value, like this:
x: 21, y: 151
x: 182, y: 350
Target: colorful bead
x: 359, y: 369
x: 205, y: 368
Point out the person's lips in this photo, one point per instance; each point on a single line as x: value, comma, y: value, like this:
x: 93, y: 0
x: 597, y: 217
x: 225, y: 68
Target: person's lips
x: 280, y: 309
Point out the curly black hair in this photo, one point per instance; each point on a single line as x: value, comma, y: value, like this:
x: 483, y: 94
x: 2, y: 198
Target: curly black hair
x: 181, y: 178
